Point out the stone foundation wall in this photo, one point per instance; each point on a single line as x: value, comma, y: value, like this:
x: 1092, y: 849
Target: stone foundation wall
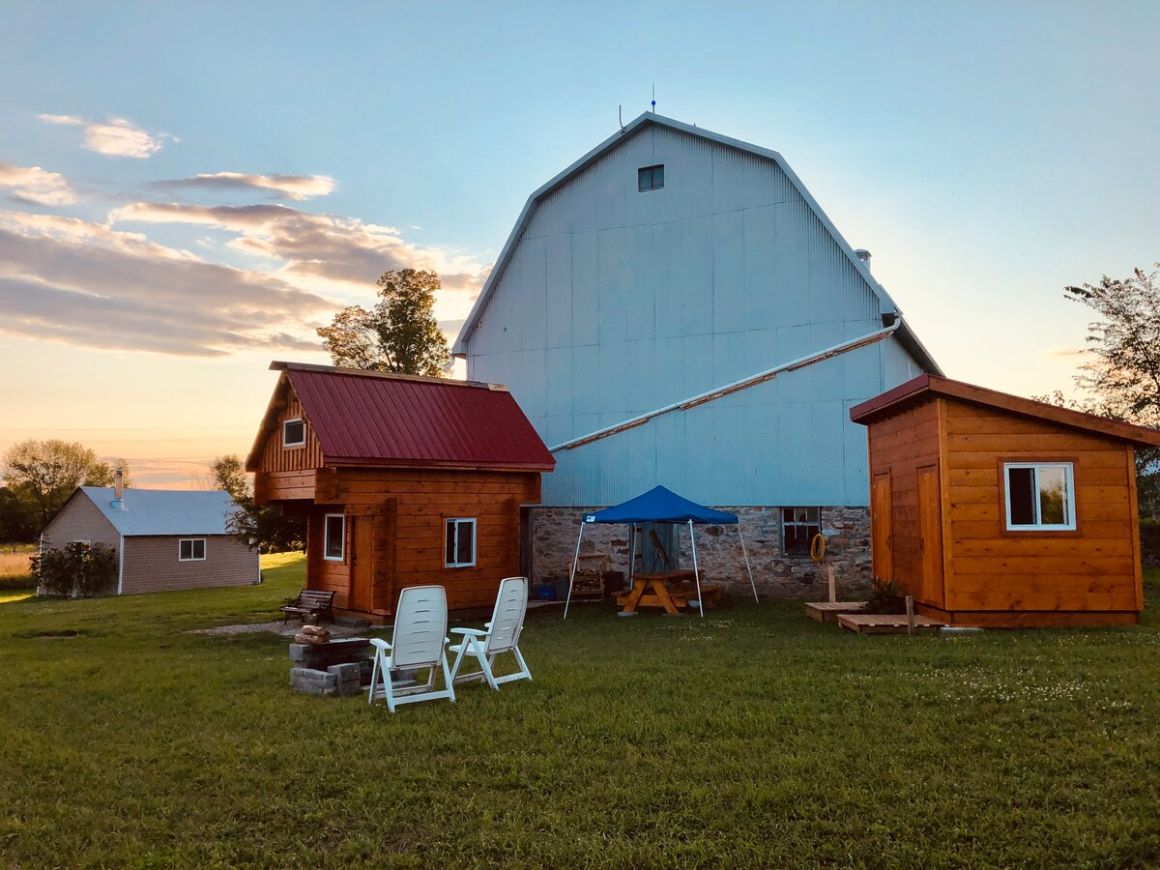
x: 554, y: 531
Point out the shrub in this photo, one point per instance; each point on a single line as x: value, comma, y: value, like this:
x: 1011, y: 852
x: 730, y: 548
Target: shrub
x: 885, y: 597
x: 77, y: 571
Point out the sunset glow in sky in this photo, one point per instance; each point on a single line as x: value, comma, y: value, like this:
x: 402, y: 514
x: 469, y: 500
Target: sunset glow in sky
x: 188, y: 190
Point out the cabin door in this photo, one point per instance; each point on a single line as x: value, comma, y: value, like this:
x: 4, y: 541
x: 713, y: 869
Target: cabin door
x: 930, y: 536
x: 882, y: 527
x: 362, y: 563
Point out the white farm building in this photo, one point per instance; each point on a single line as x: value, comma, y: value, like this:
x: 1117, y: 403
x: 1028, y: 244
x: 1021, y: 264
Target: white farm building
x: 676, y: 308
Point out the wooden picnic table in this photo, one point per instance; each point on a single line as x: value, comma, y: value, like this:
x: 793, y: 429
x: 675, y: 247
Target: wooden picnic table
x: 671, y: 590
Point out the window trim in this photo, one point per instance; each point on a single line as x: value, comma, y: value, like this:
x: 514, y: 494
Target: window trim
x: 782, y: 524
x: 193, y: 557
x: 474, y: 541
x: 1069, y: 465
x: 652, y: 177
x: 293, y: 444
x: 341, y: 557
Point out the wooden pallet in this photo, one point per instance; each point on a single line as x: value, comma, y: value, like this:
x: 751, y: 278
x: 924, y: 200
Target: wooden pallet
x: 829, y: 611
x: 885, y: 623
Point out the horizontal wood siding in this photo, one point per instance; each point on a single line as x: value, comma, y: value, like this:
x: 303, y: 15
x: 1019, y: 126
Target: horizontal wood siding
x: 1094, y: 569
x: 901, y: 444
x: 284, y: 486
x: 275, y: 457
x: 151, y: 564
x: 80, y: 520
x: 409, y: 508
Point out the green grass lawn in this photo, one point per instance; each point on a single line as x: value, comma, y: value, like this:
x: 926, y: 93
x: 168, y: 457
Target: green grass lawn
x: 752, y: 737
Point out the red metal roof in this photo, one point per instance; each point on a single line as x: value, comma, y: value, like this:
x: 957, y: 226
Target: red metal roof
x: 926, y: 386
x: 363, y: 418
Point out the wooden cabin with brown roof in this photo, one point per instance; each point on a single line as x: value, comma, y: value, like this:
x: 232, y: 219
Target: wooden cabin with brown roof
x: 404, y: 481
x: 994, y: 510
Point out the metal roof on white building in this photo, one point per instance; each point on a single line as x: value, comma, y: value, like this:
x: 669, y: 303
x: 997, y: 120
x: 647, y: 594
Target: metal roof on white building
x: 163, y: 511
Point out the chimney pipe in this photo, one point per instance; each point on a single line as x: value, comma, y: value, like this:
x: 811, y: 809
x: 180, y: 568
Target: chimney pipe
x: 863, y: 255
x: 119, y: 488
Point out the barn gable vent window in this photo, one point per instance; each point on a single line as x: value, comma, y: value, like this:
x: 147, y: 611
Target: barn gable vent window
x: 650, y: 178
x: 1040, y: 496
x: 334, y: 538
x: 798, y: 527
x: 191, y: 550
x: 294, y: 433
x: 459, y: 543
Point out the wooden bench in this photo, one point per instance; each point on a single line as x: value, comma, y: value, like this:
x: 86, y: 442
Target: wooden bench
x: 310, y: 602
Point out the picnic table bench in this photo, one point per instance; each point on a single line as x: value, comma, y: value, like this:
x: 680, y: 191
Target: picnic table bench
x: 310, y: 602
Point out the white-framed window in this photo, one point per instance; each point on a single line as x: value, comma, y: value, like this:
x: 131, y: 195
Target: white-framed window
x: 191, y: 550
x: 459, y: 543
x: 1039, y: 496
x: 294, y: 432
x: 334, y: 538
x: 650, y: 178
x: 798, y: 527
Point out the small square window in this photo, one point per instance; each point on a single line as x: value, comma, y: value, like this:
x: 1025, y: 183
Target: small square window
x: 798, y: 527
x: 459, y: 543
x: 294, y: 433
x: 334, y: 538
x: 650, y: 178
x: 1040, y: 496
x: 191, y: 550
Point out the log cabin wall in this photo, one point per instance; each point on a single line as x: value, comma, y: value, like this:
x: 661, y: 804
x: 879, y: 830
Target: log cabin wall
x: 406, y: 509
x: 899, y: 446
x: 1095, y: 569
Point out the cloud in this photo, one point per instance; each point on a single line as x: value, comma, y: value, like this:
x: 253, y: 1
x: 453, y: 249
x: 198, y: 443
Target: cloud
x: 31, y: 184
x: 320, y: 252
x: 295, y: 187
x: 70, y: 280
x: 114, y: 137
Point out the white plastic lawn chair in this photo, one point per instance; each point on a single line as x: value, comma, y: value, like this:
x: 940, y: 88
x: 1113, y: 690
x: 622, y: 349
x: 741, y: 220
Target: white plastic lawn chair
x: 419, y: 641
x: 501, y: 635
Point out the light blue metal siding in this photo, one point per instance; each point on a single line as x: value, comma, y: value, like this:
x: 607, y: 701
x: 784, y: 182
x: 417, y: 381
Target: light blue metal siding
x: 617, y: 302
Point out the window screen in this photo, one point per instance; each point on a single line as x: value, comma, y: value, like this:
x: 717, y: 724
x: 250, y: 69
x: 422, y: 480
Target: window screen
x: 293, y: 433
x: 332, y: 546
x: 191, y: 549
x: 1040, y: 496
x: 459, y: 543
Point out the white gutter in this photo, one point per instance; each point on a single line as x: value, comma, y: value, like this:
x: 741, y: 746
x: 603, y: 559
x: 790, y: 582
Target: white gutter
x: 729, y: 389
x: 121, y: 564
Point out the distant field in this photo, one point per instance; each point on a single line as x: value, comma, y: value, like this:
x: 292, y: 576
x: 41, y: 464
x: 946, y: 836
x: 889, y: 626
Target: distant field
x: 14, y: 574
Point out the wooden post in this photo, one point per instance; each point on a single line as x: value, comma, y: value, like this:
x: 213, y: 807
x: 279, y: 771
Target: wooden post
x: 833, y: 584
x: 910, y: 614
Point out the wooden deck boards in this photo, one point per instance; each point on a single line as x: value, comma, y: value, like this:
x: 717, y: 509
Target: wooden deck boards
x: 828, y: 611
x: 879, y: 623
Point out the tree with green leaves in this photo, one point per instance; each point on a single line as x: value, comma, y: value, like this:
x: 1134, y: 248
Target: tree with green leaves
x: 43, y: 474
x: 400, y: 334
x: 1122, y: 373
x: 263, y: 526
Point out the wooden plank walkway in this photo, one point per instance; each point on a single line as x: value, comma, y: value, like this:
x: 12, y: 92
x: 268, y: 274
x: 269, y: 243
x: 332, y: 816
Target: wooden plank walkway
x: 828, y: 611
x: 880, y: 623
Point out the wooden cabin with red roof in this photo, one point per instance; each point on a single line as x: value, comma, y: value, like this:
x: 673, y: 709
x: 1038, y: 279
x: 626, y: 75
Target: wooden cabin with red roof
x: 994, y: 510
x: 404, y: 481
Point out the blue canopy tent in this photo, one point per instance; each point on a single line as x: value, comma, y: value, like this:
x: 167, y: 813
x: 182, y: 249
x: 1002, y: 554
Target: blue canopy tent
x: 661, y: 505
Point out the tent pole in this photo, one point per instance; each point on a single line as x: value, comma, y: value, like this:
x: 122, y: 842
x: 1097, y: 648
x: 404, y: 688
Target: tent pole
x: 747, y: 568
x: 572, y: 576
x: 696, y: 570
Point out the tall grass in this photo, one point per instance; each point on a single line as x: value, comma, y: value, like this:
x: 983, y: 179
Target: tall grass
x: 754, y: 737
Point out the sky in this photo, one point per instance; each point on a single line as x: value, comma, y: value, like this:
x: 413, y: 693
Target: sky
x: 188, y: 190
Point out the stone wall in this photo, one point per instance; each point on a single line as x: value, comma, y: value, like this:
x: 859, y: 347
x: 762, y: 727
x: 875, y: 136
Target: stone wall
x: 554, y: 531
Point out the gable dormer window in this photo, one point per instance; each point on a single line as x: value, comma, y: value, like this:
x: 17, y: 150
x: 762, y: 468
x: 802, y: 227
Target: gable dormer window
x: 294, y: 433
x: 650, y: 178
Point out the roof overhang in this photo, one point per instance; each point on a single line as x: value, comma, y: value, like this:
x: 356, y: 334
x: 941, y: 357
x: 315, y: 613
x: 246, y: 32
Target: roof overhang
x: 929, y: 386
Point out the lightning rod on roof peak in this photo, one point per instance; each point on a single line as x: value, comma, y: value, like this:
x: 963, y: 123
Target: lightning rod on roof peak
x: 654, y: 98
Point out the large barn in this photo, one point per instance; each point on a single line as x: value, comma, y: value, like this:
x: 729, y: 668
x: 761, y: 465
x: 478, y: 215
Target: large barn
x: 676, y: 308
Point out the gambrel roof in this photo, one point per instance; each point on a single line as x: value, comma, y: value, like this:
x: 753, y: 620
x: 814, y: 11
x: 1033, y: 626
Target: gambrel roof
x: 890, y: 311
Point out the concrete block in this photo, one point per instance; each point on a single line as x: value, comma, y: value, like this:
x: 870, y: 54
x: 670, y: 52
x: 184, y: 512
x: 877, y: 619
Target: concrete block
x: 299, y: 651
x: 313, y: 682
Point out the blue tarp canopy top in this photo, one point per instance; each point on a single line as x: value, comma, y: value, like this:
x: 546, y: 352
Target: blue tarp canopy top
x: 660, y: 505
